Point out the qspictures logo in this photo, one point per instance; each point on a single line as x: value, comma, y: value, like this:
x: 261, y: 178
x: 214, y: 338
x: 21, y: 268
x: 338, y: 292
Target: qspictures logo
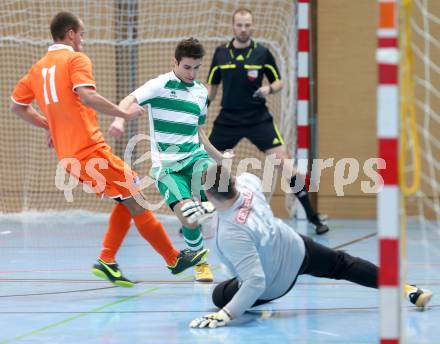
x: 71, y: 173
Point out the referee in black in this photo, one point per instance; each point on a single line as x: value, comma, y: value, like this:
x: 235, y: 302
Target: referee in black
x: 241, y: 65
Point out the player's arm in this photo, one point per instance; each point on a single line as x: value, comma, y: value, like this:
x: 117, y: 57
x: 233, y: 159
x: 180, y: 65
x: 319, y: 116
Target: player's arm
x: 117, y: 127
x: 93, y: 99
x: 241, y: 251
x: 141, y: 95
x: 84, y: 85
x: 212, y: 92
x: 30, y: 115
x: 214, y: 77
x: 273, y: 75
x: 272, y: 88
x: 276, y: 86
x: 22, y: 98
x: 212, y: 151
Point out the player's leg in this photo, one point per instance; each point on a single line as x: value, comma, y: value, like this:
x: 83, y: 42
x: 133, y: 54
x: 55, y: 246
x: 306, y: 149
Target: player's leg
x: 268, y: 139
x: 118, y: 226
x: 176, y: 189
x: 302, y: 194
x: 202, y: 271
x: 322, y: 261
x: 101, y: 163
x: 153, y: 231
x: 106, y: 267
x: 120, y: 183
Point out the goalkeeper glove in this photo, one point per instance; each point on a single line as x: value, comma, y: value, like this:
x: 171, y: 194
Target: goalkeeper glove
x: 213, y: 320
x: 198, y: 212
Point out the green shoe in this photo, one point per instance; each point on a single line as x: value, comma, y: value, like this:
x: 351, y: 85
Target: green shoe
x: 187, y: 259
x: 111, y: 272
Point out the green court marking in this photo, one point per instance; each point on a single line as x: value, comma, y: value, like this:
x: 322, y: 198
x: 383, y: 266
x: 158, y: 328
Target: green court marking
x: 80, y: 315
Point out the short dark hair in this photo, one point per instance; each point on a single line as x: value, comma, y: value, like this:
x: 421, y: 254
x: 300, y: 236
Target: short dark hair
x: 241, y: 10
x: 62, y: 23
x: 218, y: 182
x: 190, y: 47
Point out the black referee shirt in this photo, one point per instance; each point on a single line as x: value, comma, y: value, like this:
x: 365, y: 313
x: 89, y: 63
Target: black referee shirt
x: 242, y: 71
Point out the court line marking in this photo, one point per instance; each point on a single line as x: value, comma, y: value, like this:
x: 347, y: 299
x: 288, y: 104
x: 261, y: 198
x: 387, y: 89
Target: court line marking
x: 354, y: 241
x: 331, y: 334
x: 60, y: 292
x: 139, y: 282
x: 151, y: 290
x: 256, y: 311
x: 182, y: 280
x: 86, y: 313
x: 80, y: 315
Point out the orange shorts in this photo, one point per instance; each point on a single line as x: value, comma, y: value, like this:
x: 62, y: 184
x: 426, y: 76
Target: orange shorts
x: 105, y: 174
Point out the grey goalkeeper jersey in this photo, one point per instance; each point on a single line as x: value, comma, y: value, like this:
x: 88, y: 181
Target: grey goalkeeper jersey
x: 263, y: 252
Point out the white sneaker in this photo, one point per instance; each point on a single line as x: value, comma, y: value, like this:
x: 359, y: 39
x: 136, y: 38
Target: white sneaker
x: 418, y: 297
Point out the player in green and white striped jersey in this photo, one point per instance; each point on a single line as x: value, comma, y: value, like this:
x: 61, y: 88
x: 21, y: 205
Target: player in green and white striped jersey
x: 178, y: 105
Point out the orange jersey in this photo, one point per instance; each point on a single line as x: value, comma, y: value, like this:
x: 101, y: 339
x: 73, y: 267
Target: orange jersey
x: 52, y: 82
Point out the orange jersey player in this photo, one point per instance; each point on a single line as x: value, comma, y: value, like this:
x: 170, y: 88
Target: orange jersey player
x: 62, y: 83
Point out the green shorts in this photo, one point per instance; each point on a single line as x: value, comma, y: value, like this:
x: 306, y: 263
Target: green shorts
x: 184, y: 184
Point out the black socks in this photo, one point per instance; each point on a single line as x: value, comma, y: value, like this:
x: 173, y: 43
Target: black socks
x: 303, y: 197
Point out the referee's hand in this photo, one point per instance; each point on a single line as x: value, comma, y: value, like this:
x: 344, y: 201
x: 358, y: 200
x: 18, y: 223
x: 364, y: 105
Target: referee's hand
x: 262, y: 92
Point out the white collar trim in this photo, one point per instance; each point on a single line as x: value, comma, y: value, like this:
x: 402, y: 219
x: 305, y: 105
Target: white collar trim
x: 59, y: 46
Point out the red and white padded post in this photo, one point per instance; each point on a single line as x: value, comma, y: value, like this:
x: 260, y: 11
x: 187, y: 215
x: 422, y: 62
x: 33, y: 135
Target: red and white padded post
x: 388, y: 200
x: 303, y: 89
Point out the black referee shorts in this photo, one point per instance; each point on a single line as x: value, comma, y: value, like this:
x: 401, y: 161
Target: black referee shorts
x: 264, y: 135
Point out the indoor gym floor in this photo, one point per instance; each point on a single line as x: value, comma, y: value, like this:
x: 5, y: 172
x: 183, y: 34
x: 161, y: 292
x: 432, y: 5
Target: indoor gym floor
x: 48, y: 295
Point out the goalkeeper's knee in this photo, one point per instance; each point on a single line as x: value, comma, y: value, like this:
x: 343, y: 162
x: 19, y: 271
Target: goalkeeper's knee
x: 224, y: 292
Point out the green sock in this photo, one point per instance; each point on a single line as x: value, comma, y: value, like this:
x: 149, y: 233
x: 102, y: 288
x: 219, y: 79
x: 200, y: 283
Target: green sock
x: 193, y: 238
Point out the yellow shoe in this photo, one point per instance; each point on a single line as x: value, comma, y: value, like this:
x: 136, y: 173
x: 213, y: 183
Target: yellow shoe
x: 203, y: 273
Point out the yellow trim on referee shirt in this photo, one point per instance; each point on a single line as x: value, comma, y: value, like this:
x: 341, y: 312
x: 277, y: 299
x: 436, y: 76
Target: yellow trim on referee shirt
x: 253, y: 66
x: 211, y: 75
x: 273, y: 70
x: 227, y: 66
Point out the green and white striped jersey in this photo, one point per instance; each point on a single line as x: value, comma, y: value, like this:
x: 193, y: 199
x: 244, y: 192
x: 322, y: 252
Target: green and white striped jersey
x: 176, y: 110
